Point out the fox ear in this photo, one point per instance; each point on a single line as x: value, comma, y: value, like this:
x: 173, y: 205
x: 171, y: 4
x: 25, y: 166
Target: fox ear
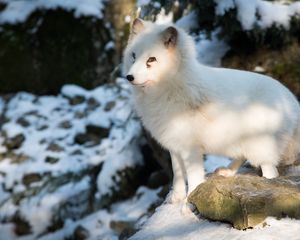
x: 138, y: 26
x: 170, y: 36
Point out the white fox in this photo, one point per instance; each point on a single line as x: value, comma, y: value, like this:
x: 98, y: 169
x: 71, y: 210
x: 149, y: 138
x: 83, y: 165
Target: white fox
x: 192, y: 109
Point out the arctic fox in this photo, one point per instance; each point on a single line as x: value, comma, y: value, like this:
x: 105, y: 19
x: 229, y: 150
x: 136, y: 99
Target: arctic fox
x: 192, y: 109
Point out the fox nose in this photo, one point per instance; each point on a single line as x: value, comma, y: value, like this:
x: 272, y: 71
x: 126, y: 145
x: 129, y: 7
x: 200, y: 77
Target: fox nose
x: 130, y: 78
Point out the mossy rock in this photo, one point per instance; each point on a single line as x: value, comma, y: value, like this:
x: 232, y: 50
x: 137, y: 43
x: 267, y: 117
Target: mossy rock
x: 52, y: 48
x: 246, y: 200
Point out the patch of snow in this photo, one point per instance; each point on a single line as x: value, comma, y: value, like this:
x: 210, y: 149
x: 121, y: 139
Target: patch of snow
x: 19, y: 10
x: 7, y: 231
x: 109, y: 45
x: 212, y: 162
x: 163, y: 18
x: 127, y: 19
x: 98, y: 223
x: 141, y: 3
x: 222, y: 6
x: 259, y: 69
x: 269, y: 13
x: 168, y: 222
x: 188, y: 22
x: 11, y: 129
x: 39, y: 211
x: 71, y: 90
x: 210, y: 51
x: 114, y: 163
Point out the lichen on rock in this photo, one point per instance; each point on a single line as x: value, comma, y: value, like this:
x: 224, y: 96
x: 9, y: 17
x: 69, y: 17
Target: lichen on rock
x: 246, y: 200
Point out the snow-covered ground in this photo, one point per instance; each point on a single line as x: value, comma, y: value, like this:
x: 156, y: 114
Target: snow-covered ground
x: 169, y: 223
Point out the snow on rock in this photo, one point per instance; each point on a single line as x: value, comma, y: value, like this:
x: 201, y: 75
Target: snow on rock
x: 141, y: 3
x: 19, y: 10
x: 98, y: 224
x: 259, y: 12
x: 63, y: 142
x: 168, y: 222
x: 71, y: 90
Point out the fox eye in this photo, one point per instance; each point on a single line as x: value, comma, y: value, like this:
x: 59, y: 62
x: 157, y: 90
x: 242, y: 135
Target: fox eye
x: 133, y: 56
x: 150, y: 60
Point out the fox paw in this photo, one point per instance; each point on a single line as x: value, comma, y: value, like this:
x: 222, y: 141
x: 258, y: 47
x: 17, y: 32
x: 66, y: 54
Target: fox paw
x: 189, y: 209
x: 225, y: 172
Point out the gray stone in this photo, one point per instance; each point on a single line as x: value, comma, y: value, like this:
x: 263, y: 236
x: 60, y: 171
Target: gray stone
x: 23, y: 122
x: 157, y: 179
x: 110, y: 105
x: 81, y: 233
x: 97, y: 130
x: 76, y: 100
x: 22, y: 227
x: 14, y: 142
x: 92, y: 104
x: 31, y: 178
x: 54, y: 147
x: 65, y: 125
x: 88, y: 140
x: 37, y: 48
x: 51, y: 160
x: 246, y: 200
x: 92, y: 136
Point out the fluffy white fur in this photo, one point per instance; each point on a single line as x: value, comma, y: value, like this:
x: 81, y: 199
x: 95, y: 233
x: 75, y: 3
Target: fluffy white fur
x: 192, y: 109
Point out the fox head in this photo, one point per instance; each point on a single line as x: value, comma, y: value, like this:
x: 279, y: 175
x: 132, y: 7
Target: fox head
x: 152, y: 54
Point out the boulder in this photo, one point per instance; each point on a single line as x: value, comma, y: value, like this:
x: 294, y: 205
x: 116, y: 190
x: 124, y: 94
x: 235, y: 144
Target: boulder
x: 14, y: 142
x: 43, y: 52
x: 246, y: 200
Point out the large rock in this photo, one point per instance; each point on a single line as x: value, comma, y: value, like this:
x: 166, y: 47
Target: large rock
x: 53, y: 47
x: 246, y: 200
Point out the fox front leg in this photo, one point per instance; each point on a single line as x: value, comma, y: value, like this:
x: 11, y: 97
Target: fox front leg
x: 178, y: 192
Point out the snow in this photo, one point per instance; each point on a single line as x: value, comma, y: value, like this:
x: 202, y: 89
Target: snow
x: 163, y: 18
x: 71, y: 90
x: 259, y: 69
x: 141, y: 3
x: 99, y: 222
x: 19, y: 10
x: 130, y: 156
x: 39, y: 211
x: 45, y: 116
x: 269, y: 12
x: 188, y: 22
x: 168, y: 222
x: 212, y: 162
x: 210, y: 51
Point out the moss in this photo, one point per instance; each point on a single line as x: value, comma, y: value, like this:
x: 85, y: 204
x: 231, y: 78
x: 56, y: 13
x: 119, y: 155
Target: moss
x: 246, y: 201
